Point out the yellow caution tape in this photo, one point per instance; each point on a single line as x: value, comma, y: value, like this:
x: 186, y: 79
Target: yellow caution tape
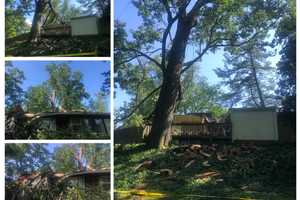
x: 162, y: 195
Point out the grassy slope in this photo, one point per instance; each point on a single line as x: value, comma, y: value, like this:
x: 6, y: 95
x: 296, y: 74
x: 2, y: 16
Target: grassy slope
x: 57, y: 46
x: 266, y: 172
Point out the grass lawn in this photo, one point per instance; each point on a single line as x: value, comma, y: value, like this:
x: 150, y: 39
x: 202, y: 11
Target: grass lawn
x: 222, y: 171
x: 58, y: 46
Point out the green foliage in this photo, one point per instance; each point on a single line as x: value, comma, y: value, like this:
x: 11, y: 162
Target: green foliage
x: 135, y: 120
x: 98, y: 7
x: 68, y: 11
x: 66, y: 86
x: 64, y: 159
x: 199, y: 96
x: 99, y: 103
x: 215, y: 25
x: 38, y: 99
x: 248, y: 75
x: 141, y: 79
x: 70, y: 158
x: 25, y: 158
x: 77, y: 193
x: 97, y: 155
x: 286, y: 68
x: 14, y: 78
x: 15, y: 24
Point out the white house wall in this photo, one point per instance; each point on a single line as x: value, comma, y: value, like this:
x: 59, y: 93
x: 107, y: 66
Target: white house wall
x: 254, y: 125
x: 84, y: 26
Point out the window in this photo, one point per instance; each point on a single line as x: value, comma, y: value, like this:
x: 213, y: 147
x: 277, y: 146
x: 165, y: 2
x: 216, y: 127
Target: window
x: 75, y: 124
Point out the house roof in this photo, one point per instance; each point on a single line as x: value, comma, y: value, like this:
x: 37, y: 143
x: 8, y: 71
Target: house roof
x: 105, y: 172
x: 270, y: 109
x: 82, y: 17
x: 97, y: 173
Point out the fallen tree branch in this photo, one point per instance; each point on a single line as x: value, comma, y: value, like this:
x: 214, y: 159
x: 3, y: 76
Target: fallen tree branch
x: 141, y: 102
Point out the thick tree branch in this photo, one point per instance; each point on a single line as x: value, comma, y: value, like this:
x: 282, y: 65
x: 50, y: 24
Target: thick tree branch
x: 144, y: 55
x: 131, y: 58
x: 54, y: 12
x: 167, y: 7
x: 214, y: 44
x: 164, y: 41
x: 141, y: 103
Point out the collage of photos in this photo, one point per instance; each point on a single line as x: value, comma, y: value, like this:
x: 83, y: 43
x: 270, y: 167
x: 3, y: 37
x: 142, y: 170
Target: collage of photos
x: 149, y: 99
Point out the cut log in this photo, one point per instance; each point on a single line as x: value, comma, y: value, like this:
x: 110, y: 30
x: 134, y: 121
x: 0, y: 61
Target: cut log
x: 205, y: 154
x: 208, y: 174
x: 144, y: 165
x: 166, y: 172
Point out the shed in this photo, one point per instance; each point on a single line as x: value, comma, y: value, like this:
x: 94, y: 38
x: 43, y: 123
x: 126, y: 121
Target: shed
x: 254, y: 124
x: 85, y: 25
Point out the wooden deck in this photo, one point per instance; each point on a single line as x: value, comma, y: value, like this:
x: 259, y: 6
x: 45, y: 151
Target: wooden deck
x: 202, y: 131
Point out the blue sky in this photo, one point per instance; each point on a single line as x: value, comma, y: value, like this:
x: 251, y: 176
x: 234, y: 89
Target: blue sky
x: 126, y: 12
x: 35, y: 73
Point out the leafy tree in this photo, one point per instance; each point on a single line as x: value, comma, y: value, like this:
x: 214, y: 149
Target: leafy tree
x: 67, y: 89
x: 199, y: 96
x: 249, y: 76
x: 142, y: 77
x: 64, y: 159
x: 15, y: 24
x: 25, y: 158
x: 99, y: 103
x: 34, y: 163
x: 68, y: 11
x: 14, y: 94
x: 38, y: 99
x: 98, y: 7
x: 96, y: 155
x: 286, y: 36
x: 70, y: 158
x: 205, y: 25
x: 43, y: 11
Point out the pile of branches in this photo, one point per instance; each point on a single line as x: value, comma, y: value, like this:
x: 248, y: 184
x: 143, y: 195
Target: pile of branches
x: 231, y: 163
x: 16, y: 124
x: 39, y: 185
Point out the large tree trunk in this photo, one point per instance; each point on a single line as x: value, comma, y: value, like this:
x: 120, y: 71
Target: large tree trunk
x: 35, y: 31
x: 159, y: 136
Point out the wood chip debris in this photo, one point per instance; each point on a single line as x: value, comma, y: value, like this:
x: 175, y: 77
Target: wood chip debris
x: 144, y: 165
x: 189, y: 163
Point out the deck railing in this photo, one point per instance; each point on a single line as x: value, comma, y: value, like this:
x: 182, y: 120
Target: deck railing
x: 209, y: 130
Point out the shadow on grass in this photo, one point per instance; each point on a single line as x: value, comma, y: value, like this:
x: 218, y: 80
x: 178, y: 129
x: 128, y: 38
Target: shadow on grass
x: 270, y: 176
x: 58, y: 46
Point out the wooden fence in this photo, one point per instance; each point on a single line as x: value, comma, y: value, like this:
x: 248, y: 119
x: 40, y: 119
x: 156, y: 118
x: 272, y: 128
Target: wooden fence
x: 178, y: 131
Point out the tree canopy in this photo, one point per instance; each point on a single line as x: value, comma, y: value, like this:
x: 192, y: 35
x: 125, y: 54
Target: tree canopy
x: 286, y: 36
x: 14, y: 93
x: 64, y: 90
x: 168, y: 28
x: 40, y: 171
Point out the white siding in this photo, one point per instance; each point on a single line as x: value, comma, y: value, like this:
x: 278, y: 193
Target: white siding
x: 254, y: 124
x: 84, y: 26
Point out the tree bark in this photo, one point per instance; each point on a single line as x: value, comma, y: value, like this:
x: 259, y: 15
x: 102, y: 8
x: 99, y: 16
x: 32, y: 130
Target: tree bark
x: 35, y: 31
x: 159, y: 136
x: 260, y: 95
